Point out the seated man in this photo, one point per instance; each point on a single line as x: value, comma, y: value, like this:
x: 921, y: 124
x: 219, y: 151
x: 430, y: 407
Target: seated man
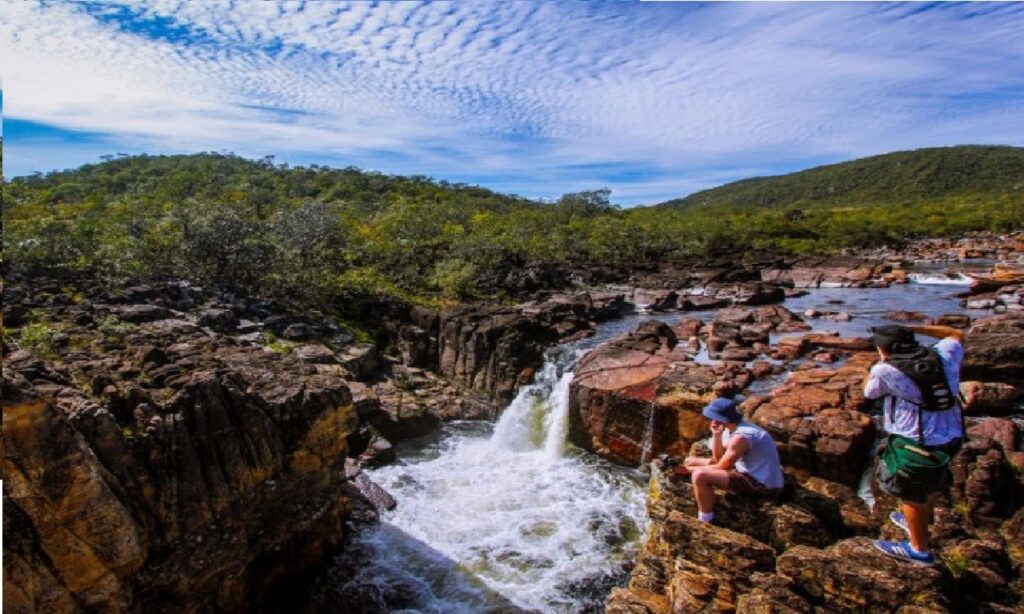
x: 744, y: 459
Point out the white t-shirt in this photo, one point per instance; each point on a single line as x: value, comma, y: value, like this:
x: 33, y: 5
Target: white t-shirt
x: 761, y: 460
x: 903, y: 398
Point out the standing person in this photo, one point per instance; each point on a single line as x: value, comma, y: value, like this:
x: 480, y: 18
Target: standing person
x: 919, y: 386
x: 744, y: 459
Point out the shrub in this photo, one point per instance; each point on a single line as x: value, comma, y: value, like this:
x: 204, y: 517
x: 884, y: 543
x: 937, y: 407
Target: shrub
x: 111, y: 326
x: 454, y: 277
x: 36, y: 337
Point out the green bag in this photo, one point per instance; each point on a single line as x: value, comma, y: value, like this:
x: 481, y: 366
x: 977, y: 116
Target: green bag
x: 910, y: 470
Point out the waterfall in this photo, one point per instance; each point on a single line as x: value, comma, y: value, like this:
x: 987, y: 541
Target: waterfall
x: 494, y: 518
x: 538, y: 418
x: 648, y: 443
x: 558, y: 419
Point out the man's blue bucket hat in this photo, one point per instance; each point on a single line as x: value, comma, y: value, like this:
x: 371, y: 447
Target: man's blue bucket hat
x: 723, y: 410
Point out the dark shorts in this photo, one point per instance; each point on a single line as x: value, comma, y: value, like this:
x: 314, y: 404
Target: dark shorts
x: 743, y: 484
x: 915, y: 492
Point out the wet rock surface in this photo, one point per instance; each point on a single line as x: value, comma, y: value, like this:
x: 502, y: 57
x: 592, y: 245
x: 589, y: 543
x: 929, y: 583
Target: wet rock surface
x: 640, y: 395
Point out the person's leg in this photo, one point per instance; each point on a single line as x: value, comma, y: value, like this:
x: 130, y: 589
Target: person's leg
x: 918, y: 515
x: 705, y: 479
x: 696, y: 461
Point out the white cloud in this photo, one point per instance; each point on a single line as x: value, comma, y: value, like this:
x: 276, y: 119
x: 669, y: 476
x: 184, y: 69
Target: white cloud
x: 524, y: 90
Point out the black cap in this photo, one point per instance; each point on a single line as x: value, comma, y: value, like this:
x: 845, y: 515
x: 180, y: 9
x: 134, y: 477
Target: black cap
x: 893, y: 338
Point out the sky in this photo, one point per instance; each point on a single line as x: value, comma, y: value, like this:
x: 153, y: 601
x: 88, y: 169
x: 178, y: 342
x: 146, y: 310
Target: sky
x: 654, y: 100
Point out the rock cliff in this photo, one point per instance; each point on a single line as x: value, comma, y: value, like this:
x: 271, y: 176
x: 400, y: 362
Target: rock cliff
x: 154, y: 464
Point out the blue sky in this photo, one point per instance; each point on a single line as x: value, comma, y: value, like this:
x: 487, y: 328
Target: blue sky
x: 653, y: 100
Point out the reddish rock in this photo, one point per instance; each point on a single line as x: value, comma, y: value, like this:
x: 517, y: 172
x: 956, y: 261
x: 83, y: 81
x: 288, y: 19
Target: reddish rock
x: 852, y: 344
x: 815, y: 419
x: 852, y: 575
x: 823, y: 356
x: 955, y: 320
x: 687, y: 328
x: 790, y: 348
x: 994, y: 351
x: 631, y: 394
x: 1003, y: 432
x: 763, y: 368
x: 988, y: 397
x: 905, y: 316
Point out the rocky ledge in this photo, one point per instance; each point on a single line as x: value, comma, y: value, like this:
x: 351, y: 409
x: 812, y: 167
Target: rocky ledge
x: 199, y: 493
x: 809, y: 549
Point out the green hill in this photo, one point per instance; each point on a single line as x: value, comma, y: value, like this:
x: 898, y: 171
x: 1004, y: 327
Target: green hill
x: 319, y: 236
x: 895, y: 178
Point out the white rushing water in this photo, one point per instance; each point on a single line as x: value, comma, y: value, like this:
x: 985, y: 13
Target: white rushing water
x: 941, y: 279
x: 491, y: 518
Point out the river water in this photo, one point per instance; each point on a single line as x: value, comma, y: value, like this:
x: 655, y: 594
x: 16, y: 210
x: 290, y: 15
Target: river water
x: 507, y: 517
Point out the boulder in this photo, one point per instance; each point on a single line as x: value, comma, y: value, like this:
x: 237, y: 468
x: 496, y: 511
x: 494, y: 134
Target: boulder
x: 780, y: 521
x: 298, y: 332
x: 138, y: 314
x: 360, y: 359
x: 630, y: 399
x: 815, y: 419
x: 851, y: 344
x: 955, y: 320
x: 994, y: 351
x: 220, y: 320
x: 988, y: 397
x: 852, y: 575
x: 905, y: 316
x: 655, y: 300
x: 315, y: 353
x: 982, y: 570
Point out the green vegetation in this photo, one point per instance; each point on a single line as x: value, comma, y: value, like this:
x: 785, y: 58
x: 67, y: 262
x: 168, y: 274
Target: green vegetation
x: 112, y: 327
x: 37, y: 337
x: 320, y: 236
x: 892, y: 179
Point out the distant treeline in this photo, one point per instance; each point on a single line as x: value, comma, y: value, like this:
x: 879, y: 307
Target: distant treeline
x: 315, y: 233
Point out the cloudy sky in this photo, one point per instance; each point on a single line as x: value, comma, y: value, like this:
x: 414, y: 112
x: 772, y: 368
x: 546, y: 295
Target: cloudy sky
x: 652, y: 99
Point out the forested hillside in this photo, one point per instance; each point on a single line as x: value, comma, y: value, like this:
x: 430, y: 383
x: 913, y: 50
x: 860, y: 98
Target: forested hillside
x: 891, y: 179
x: 314, y: 234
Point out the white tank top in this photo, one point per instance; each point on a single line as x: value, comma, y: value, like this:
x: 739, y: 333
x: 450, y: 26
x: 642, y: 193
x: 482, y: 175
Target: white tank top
x: 761, y: 461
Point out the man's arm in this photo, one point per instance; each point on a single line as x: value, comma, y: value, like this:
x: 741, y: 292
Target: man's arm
x: 874, y: 387
x: 737, y: 447
x: 717, y: 449
x: 939, y: 332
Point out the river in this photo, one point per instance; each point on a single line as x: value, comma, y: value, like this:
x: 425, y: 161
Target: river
x: 507, y: 517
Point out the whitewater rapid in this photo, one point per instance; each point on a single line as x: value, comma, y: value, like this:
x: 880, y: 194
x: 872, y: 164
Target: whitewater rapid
x: 496, y: 517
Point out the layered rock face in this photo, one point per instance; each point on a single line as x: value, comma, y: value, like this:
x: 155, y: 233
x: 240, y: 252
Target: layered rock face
x: 816, y: 420
x: 810, y: 550
x: 995, y: 350
x: 167, y: 468
x: 494, y: 350
x: 639, y: 396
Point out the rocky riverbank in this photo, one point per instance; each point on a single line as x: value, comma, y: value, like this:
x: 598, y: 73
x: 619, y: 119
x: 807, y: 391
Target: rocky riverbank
x: 810, y: 550
x: 170, y: 447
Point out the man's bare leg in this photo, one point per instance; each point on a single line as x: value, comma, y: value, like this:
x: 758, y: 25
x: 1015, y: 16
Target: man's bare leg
x: 918, y: 516
x: 704, y: 480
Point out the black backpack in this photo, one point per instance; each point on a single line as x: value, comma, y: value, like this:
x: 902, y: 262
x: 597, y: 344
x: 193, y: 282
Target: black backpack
x: 925, y: 369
